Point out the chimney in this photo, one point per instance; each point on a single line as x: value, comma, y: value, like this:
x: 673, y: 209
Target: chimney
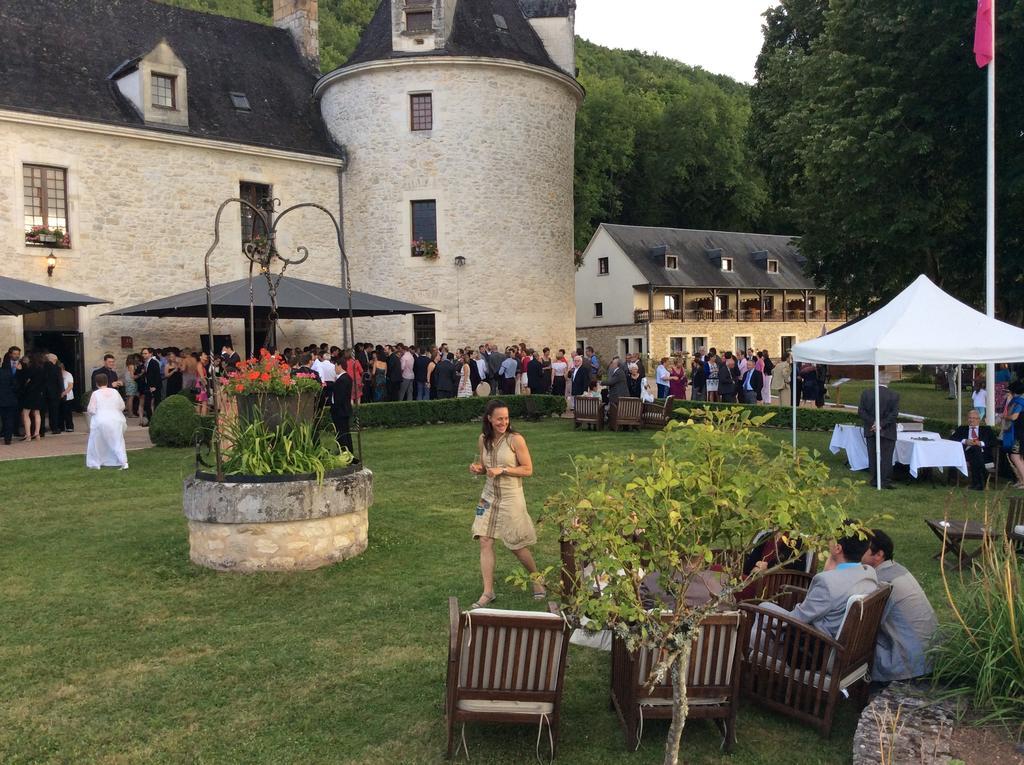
x: 301, y: 19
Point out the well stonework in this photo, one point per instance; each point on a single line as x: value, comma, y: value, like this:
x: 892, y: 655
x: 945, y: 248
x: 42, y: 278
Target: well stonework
x: 286, y: 526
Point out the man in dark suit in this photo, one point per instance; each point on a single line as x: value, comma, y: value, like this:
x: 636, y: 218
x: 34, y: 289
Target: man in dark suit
x: 494, y: 360
x: 617, y: 385
x: 420, y: 365
x: 54, y: 389
x: 9, y: 394
x: 394, y: 372
x: 445, y: 378
x: 977, y: 440
x: 535, y: 373
x: 341, y: 406
x: 889, y: 404
x: 579, y: 376
x: 152, y: 384
x: 753, y: 382
x: 726, y: 380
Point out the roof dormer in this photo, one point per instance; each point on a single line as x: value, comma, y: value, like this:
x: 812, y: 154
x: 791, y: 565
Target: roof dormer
x: 156, y: 84
x: 663, y: 257
x: 764, y: 261
x: 418, y: 26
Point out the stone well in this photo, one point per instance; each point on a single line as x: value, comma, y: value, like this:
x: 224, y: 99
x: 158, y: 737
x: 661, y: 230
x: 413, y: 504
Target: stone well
x: 287, y: 525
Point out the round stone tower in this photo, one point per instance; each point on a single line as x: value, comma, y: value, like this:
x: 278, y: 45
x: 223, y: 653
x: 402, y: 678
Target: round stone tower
x: 458, y: 118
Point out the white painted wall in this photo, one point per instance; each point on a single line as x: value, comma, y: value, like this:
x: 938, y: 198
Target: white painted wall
x: 614, y: 290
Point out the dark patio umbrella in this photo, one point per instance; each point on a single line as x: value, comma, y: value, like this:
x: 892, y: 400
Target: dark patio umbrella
x: 296, y: 299
x: 18, y: 297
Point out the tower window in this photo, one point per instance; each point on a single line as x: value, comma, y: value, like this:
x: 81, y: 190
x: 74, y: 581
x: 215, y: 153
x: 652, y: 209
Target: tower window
x: 419, y: 21
x: 424, y: 227
x: 422, y: 109
x: 162, y: 91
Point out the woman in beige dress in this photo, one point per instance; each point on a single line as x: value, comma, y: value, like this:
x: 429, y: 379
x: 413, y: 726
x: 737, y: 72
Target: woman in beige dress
x: 501, y: 512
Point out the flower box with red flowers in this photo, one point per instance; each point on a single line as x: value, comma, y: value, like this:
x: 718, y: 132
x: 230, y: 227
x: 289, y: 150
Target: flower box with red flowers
x: 267, y: 386
x: 42, y: 236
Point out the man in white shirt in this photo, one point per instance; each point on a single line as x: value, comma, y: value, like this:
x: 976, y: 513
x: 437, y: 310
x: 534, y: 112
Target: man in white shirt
x: 408, y: 361
x: 661, y: 376
x: 325, y: 369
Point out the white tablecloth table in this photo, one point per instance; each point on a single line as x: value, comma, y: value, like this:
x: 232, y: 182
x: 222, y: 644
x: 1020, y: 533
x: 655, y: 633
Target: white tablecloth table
x: 920, y: 449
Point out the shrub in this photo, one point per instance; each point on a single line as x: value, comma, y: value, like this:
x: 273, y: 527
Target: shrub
x: 176, y: 424
x: 806, y: 419
x: 290, y: 448
x: 400, y: 414
x: 981, y: 647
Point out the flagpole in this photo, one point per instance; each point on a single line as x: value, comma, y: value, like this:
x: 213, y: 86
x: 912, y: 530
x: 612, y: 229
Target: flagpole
x: 990, y: 224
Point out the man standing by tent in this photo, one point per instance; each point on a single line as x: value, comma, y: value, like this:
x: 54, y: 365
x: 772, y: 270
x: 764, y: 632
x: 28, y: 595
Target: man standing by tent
x: 889, y: 403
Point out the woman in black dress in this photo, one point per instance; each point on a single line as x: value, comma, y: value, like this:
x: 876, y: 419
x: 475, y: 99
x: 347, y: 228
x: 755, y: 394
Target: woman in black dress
x: 31, y: 395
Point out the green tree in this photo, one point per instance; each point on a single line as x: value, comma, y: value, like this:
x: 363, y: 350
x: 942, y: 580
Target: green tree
x: 698, y: 499
x: 869, y: 119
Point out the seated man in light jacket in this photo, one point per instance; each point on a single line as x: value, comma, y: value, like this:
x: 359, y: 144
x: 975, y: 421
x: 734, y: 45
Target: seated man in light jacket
x: 909, y: 622
x: 825, y: 604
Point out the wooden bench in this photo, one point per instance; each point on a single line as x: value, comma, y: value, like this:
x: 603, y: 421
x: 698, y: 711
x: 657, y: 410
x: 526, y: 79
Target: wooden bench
x: 793, y: 668
x: 712, y: 680
x: 504, y: 667
x: 625, y: 413
x: 655, y: 415
x: 589, y: 411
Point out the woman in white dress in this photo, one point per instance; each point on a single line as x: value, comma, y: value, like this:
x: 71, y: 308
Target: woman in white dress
x: 106, y: 428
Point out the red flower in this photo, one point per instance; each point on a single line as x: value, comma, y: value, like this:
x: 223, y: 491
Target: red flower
x: 264, y: 377
x: 253, y: 375
x: 239, y: 388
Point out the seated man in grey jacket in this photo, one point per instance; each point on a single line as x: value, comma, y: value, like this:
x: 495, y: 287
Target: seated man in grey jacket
x: 825, y: 604
x: 909, y: 622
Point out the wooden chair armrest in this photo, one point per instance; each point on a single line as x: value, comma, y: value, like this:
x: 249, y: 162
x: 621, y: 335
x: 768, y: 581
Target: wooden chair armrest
x: 454, y: 616
x: 757, y: 613
x: 794, y: 589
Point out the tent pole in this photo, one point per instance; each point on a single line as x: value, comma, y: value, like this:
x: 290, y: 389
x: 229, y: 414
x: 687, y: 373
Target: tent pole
x: 959, y: 392
x: 792, y: 402
x: 878, y: 436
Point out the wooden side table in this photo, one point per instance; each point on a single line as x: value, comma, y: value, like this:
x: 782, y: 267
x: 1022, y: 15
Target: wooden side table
x: 956, y: 533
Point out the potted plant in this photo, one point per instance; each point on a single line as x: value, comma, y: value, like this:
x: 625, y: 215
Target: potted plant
x: 267, y: 389
x: 44, y: 235
x: 425, y: 248
x: 694, y: 505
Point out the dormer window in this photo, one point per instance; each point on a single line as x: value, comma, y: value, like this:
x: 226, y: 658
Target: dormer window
x: 772, y: 266
x: 419, y: 21
x: 727, y: 264
x: 162, y: 90
x: 240, y: 101
x: 671, y: 261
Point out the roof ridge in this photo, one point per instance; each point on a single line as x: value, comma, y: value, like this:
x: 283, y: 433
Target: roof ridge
x: 699, y: 230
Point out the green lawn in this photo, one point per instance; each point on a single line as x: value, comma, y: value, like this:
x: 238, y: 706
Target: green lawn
x: 115, y: 649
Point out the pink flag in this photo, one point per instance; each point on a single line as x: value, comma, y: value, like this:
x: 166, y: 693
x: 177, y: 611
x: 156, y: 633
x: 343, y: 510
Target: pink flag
x: 984, y: 44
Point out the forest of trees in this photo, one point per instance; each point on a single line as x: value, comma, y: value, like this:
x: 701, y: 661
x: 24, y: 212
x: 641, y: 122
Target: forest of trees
x: 864, y: 135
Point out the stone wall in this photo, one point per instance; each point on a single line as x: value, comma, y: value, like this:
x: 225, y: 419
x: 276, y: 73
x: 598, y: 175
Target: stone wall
x: 499, y: 163
x: 282, y: 526
x: 141, y: 214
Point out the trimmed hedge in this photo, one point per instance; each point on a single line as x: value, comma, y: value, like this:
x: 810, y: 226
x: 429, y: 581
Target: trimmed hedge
x: 400, y: 414
x: 806, y: 419
x: 175, y: 422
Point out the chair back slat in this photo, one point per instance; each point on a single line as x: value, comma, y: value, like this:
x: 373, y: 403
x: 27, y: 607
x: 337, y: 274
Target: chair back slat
x: 859, y: 631
x: 712, y: 658
x: 511, y: 653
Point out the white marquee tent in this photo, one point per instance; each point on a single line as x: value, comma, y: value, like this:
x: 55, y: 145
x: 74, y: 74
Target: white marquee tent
x: 921, y: 325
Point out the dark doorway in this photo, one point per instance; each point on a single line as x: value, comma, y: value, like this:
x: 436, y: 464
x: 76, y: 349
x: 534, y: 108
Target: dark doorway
x: 219, y: 341
x: 68, y: 347
x: 424, y: 330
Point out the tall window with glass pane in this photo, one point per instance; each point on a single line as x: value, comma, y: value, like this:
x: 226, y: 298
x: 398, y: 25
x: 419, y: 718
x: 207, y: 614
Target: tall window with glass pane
x: 46, y: 203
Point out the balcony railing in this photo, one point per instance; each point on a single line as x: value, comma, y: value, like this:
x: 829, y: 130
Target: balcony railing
x: 643, y: 316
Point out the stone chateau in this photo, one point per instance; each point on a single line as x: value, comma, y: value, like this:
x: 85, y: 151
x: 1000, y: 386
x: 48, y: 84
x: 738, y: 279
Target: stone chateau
x: 670, y: 291
x: 125, y: 123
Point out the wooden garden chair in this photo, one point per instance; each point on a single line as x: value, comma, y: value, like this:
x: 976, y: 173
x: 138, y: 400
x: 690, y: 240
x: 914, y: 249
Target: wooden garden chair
x: 797, y: 670
x: 712, y: 680
x: 505, y: 667
x: 785, y: 587
x: 626, y: 413
x: 589, y: 411
x: 1015, y: 524
x: 655, y: 415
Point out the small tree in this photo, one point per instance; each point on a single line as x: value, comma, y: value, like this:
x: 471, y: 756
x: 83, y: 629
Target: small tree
x: 698, y: 500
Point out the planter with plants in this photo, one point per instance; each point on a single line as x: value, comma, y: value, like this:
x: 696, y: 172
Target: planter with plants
x: 47, y: 237
x: 288, y: 496
x: 425, y: 248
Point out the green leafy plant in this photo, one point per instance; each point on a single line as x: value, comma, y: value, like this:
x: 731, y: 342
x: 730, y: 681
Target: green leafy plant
x: 425, y: 248
x: 981, y: 648
x: 176, y: 424
x: 697, y: 501
x: 290, y: 448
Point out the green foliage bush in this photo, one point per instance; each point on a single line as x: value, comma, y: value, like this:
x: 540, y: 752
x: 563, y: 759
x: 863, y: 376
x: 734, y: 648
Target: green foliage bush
x: 806, y: 419
x: 176, y: 424
x: 400, y: 414
x: 289, y: 449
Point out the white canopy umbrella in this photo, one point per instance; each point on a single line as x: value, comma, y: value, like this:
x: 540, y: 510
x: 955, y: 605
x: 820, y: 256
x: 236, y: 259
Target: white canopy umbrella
x: 921, y: 325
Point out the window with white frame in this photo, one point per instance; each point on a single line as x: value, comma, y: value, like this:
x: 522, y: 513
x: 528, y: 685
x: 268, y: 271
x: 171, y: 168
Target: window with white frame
x: 727, y: 264
x: 742, y: 343
x: 697, y: 343
x: 676, y: 345
x: 773, y: 266
x: 786, y: 343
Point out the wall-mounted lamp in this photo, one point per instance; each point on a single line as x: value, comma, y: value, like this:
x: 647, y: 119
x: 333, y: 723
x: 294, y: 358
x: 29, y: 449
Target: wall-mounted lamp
x: 51, y: 263
x: 459, y: 261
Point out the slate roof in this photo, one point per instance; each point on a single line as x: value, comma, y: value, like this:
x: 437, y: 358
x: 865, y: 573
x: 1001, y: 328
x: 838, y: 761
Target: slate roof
x: 474, y: 33
x: 542, y: 9
x: 56, y: 57
x: 696, y: 266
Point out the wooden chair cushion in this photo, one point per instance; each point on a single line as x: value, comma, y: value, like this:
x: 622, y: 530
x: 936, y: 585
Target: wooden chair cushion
x: 505, y: 707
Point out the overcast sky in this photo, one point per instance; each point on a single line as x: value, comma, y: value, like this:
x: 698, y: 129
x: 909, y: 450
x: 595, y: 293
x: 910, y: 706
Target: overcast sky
x: 722, y: 36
